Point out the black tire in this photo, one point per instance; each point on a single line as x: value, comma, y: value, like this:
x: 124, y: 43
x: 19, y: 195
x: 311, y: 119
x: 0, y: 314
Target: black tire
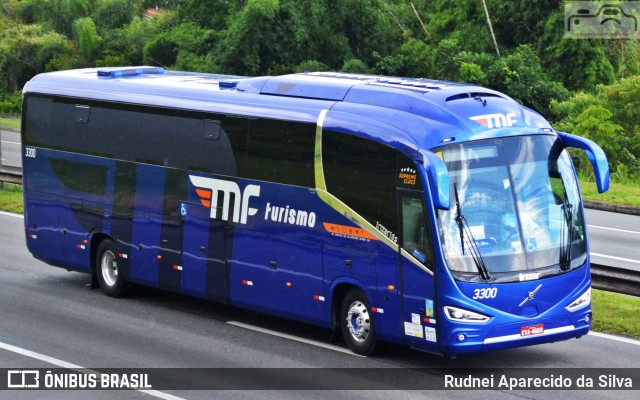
x: 107, y: 270
x: 356, y: 322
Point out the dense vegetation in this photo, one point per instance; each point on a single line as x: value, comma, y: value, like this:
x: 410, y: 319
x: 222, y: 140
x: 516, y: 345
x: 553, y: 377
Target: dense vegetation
x: 589, y: 87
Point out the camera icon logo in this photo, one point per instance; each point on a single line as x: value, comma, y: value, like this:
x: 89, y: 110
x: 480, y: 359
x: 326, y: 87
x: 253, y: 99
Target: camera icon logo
x: 602, y: 20
x: 23, y: 379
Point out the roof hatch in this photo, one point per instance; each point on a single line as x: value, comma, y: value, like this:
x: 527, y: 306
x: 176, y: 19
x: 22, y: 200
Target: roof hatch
x: 300, y: 85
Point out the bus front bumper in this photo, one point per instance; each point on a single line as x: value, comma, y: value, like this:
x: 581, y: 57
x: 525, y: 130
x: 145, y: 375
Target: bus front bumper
x: 465, y: 339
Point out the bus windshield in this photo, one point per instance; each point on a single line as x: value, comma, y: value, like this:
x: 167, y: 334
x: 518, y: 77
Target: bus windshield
x: 516, y: 212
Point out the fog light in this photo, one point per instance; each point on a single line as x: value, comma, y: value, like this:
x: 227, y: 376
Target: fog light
x: 462, y: 337
x: 587, y: 319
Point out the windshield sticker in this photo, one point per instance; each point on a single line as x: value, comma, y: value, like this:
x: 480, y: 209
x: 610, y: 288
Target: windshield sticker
x: 408, y: 176
x: 477, y: 232
x: 411, y: 329
x: 428, y: 308
x: 506, y: 183
x: 430, y: 334
x: 485, y: 245
x: 532, y: 245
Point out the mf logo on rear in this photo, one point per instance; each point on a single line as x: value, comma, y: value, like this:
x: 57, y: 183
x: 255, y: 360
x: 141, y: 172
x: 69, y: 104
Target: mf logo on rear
x: 209, y: 190
x: 495, y: 120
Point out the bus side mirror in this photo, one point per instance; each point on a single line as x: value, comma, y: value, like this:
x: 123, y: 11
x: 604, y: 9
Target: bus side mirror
x: 438, y: 179
x: 596, y: 157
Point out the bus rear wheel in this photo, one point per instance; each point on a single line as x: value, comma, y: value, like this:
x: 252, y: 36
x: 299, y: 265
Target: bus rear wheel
x: 356, y: 323
x: 107, y: 270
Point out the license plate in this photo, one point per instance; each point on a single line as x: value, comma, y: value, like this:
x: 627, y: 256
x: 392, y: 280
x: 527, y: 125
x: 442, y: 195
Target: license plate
x: 532, y: 330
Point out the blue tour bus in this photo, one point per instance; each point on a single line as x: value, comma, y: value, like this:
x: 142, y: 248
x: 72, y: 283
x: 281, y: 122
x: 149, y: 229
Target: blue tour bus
x: 438, y: 215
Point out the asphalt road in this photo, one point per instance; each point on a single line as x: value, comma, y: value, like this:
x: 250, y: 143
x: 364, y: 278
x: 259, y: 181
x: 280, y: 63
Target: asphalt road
x: 615, y: 239
x: 52, y: 318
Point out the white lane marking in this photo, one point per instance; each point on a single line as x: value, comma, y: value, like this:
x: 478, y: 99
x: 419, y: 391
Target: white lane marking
x: 6, y: 141
x: 11, y: 214
x: 615, y: 258
x: 616, y: 338
x: 68, y: 365
x: 613, y: 229
x: 291, y: 337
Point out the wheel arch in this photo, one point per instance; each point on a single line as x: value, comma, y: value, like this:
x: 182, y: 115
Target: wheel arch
x: 339, y: 289
x: 96, y: 239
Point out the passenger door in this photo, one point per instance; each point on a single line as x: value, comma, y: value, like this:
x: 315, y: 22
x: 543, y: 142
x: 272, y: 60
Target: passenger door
x: 416, y: 271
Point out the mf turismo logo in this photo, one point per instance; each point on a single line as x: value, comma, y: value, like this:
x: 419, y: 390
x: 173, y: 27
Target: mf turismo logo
x: 209, y: 190
x: 495, y: 120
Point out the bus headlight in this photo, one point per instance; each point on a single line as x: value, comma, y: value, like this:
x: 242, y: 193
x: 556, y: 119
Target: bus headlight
x: 582, y: 301
x: 461, y: 315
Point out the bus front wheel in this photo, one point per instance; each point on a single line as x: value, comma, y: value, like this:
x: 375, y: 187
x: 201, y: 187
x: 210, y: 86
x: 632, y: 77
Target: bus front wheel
x: 109, y: 274
x: 356, y: 322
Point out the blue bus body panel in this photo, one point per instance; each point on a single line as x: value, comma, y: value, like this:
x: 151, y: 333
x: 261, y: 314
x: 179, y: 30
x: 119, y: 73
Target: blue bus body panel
x: 509, y: 315
x: 285, y: 249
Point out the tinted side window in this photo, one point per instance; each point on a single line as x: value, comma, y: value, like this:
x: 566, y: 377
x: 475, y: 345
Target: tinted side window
x: 276, y: 151
x: 415, y: 235
x: 363, y: 174
x: 168, y: 137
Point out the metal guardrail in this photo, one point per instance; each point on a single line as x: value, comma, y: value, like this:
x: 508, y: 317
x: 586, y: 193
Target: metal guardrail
x: 613, y: 279
x: 14, y: 177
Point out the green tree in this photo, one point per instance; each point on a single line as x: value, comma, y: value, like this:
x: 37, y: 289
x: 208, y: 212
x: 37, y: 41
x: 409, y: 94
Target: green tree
x: 312, y: 66
x: 25, y: 50
x: 56, y: 14
x: 472, y: 73
x: 521, y: 76
x: 87, y: 39
x: 579, y: 64
x: 367, y: 28
x: 355, y: 66
x: 610, y: 117
x: 212, y: 14
x: 125, y: 46
x: 113, y: 14
x: 185, y: 44
x: 519, y: 22
x: 272, y: 37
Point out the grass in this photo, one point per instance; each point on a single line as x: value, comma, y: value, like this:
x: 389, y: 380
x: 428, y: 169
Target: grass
x: 615, y: 313
x: 8, y: 122
x: 624, y: 194
x: 11, y: 198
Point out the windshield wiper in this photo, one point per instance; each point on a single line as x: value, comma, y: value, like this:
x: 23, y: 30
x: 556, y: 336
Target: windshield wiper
x: 565, y: 249
x: 463, y: 226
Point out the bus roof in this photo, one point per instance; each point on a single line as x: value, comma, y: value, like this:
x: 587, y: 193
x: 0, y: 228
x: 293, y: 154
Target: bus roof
x: 429, y: 112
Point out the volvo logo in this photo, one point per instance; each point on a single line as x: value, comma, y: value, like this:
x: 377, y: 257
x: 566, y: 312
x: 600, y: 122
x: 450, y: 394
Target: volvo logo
x: 530, y: 295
